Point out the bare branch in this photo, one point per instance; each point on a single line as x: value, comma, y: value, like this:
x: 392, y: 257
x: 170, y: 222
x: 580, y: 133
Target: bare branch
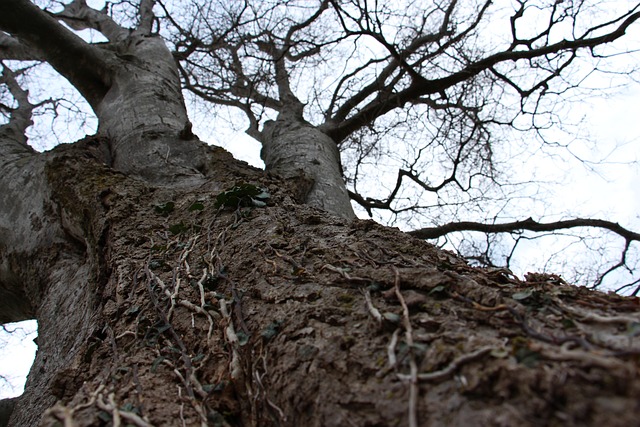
x: 146, y: 17
x: 383, y: 104
x: 82, y: 64
x: 527, y: 224
x: 20, y: 117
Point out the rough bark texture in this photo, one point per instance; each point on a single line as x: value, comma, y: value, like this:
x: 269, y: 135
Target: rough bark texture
x: 30, y: 233
x: 170, y: 310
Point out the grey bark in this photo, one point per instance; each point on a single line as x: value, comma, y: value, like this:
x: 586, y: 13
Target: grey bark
x: 29, y: 227
x: 144, y: 117
x: 45, y: 271
x: 294, y: 147
x: 6, y: 408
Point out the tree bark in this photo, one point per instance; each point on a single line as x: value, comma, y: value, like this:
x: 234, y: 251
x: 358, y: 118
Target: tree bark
x: 30, y: 232
x: 144, y: 117
x: 297, y: 150
x: 284, y: 315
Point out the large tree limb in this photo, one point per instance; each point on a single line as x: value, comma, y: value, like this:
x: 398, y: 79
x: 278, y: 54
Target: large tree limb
x: 84, y: 65
x: 13, y: 49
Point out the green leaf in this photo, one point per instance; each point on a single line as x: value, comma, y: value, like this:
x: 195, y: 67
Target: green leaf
x: 156, y: 363
x: 104, y: 416
x: 128, y: 407
x: 633, y: 329
x: 519, y: 296
x: 528, y: 358
x: 568, y: 323
x: 271, y: 330
x: 155, y: 264
x: 439, y: 292
x: 210, y: 282
x: 391, y: 317
x: 374, y: 287
x: 132, y: 310
x: 214, y: 387
x: 243, y: 195
x: 242, y: 338
x: 164, y: 209
x: 164, y: 328
x: 197, y: 206
x: 178, y: 228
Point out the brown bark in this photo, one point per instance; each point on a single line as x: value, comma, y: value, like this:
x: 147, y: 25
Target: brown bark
x: 259, y: 316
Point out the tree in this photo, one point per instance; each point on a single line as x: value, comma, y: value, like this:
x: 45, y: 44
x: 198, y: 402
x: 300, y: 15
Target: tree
x: 174, y: 284
x: 429, y: 88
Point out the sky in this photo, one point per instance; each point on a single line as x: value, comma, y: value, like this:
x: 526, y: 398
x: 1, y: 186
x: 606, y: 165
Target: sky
x: 613, y: 192
x: 17, y: 351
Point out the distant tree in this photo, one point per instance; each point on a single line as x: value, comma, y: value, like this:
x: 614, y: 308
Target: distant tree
x: 175, y: 285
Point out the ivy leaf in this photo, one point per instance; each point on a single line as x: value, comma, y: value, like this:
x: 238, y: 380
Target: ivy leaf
x: 633, y: 329
x: 178, y: 228
x: 164, y: 209
x: 197, y: 206
x: 271, y: 330
x: 242, y: 338
x: 243, y: 195
x: 158, y: 360
x: 520, y: 296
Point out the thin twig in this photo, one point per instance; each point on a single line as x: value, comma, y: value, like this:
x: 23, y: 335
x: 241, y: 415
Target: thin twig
x: 391, y: 349
x: 408, y: 333
x: 374, y: 312
x: 447, y: 372
x: 118, y: 414
x: 232, y: 339
x: 586, y: 316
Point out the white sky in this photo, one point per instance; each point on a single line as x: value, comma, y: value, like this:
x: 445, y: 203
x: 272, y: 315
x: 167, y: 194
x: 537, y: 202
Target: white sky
x: 17, y: 351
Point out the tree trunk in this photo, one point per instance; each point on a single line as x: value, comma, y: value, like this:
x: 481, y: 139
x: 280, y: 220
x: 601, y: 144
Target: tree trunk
x: 144, y: 118
x: 297, y: 150
x: 167, y: 310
